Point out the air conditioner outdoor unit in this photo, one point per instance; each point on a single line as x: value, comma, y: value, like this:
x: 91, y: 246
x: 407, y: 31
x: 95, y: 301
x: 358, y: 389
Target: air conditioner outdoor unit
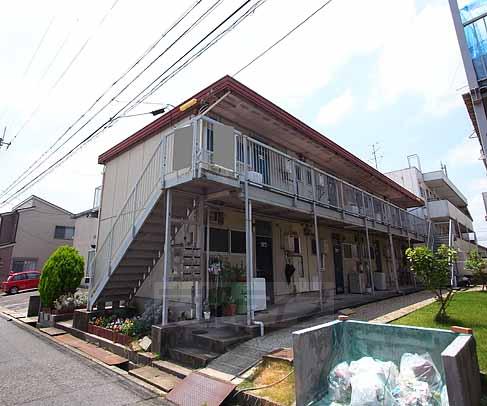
x: 255, y: 177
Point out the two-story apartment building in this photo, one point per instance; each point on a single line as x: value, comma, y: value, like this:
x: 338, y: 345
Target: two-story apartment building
x: 445, y: 206
x: 229, y: 187
x: 30, y: 233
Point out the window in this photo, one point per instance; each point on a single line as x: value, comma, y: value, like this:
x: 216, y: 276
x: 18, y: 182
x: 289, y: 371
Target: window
x: 237, y: 239
x: 219, y: 241
x: 64, y: 233
x: 23, y: 265
x: 309, y: 179
x: 33, y: 275
x: 20, y: 277
x: 209, y: 137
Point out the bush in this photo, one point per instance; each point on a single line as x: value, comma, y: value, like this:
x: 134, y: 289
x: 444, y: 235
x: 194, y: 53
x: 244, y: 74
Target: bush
x: 433, y: 269
x: 61, y: 275
x: 478, y: 266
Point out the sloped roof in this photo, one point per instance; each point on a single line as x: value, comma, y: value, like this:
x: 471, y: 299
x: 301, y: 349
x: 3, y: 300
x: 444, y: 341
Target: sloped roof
x: 399, y: 195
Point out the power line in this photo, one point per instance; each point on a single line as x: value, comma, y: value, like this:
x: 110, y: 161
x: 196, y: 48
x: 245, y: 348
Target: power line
x: 197, y: 54
x: 65, y: 71
x: 60, y: 48
x: 38, y: 162
x: 283, y: 37
x: 110, y: 122
x: 38, y: 47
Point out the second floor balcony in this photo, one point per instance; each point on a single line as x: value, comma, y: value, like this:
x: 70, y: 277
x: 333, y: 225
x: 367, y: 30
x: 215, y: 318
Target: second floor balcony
x: 211, y: 147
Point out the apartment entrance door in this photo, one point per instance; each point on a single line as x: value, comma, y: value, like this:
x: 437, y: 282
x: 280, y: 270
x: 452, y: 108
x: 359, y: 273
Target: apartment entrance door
x: 263, y: 261
x: 338, y: 261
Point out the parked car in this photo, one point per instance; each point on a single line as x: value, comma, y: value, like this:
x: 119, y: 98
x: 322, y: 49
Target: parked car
x: 21, y: 281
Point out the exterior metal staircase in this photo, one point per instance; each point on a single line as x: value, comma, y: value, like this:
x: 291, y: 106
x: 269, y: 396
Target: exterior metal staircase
x: 134, y: 244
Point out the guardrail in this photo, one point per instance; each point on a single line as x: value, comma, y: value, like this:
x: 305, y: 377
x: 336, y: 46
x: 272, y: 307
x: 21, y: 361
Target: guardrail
x: 278, y: 171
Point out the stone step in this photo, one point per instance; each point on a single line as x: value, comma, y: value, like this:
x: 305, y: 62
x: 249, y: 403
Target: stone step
x: 156, y: 377
x: 52, y: 331
x: 172, y: 368
x: 192, y: 357
x: 220, y: 339
x: 93, y: 351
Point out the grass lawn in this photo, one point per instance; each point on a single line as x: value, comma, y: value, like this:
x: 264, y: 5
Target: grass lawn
x: 467, y: 309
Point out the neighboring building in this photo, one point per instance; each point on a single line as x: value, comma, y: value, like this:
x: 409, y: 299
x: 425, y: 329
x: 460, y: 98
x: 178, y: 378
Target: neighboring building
x: 228, y: 176
x: 445, y: 206
x: 86, y: 229
x: 470, y: 19
x: 30, y: 233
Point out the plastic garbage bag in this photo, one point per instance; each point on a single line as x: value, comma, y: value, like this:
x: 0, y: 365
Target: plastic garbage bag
x: 339, y: 386
x: 369, y: 389
x: 422, y: 368
x: 444, y: 396
x: 413, y: 393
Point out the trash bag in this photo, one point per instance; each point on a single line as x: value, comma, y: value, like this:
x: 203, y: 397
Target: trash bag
x: 422, y: 368
x: 444, y: 396
x: 413, y: 393
x: 369, y: 389
x: 339, y: 385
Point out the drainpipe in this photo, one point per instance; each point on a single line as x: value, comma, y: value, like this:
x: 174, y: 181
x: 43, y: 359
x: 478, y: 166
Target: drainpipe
x: 261, y: 324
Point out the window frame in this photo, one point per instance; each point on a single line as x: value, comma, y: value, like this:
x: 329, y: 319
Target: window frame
x: 65, y: 229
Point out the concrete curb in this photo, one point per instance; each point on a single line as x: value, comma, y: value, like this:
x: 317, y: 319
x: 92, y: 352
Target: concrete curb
x: 135, y: 383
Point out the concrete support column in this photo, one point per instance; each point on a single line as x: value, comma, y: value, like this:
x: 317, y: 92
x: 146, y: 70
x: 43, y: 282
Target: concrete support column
x: 167, y: 255
x: 369, y: 259
x: 393, y: 257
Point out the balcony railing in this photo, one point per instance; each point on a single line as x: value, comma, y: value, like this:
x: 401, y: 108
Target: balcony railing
x: 278, y: 171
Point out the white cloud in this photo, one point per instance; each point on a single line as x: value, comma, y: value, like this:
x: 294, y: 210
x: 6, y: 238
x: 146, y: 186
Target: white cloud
x: 463, y: 154
x: 421, y: 58
x: 335, y: 110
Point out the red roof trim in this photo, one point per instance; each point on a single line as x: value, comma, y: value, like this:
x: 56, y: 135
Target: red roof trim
x: 229, y: 83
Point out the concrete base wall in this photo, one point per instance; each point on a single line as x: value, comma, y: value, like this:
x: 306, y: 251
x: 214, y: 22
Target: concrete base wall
x: 318, y: 349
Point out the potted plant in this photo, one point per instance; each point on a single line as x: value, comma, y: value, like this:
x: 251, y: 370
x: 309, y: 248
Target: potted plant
x: 230, y: 307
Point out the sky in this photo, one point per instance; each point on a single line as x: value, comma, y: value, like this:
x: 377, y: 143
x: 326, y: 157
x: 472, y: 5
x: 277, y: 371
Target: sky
x: 362, y: 72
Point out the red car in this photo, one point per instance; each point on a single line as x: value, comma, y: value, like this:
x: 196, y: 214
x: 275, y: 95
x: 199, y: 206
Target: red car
x: 20, y: 281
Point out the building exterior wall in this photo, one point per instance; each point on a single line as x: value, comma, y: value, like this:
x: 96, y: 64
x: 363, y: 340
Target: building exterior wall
x: 179, y: 292
x: 120, y: 177
x: 85, y: 236
x: 5, y: 261
x: 35, y: 232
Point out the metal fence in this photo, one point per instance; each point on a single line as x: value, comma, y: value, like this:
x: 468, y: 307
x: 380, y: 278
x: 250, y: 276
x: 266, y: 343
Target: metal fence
x: 278, y: 171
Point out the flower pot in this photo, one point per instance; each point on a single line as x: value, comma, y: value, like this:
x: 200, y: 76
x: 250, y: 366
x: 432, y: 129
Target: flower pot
x: 230, y: 309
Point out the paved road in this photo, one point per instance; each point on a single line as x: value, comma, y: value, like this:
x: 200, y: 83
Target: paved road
x: 17, y: 303
x: 36, y: 371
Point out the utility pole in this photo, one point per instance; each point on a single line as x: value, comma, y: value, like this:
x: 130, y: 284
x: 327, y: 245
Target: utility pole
x: 2, y: 139
x: 375, y: 157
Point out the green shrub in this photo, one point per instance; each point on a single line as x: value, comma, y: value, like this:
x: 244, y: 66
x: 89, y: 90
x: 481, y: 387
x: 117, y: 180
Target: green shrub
x: 62, y: 274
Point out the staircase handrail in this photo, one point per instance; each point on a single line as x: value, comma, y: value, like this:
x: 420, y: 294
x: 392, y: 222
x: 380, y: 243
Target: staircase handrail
x: 108, y: 241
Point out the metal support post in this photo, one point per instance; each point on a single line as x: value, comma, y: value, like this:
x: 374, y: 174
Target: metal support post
x: 207, y: 255
x: 167, y: 255
x: 369, y: 259
x: 249, y: 265
x: 319, y: 264
x: 200, y: 242
x: 393, y: 257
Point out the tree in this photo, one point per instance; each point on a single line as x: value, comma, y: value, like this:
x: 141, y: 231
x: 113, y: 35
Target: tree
x: 433, y: 269
x: 478, y: 266
x: 62, y: 274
